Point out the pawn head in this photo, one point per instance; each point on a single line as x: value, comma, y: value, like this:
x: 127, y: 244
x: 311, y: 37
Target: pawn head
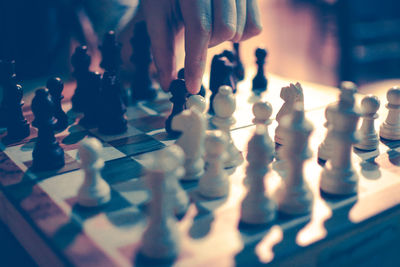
x: 262, y: 111
x: 55, y: 84
x: 370, y: 104
x: 261, y: 53
x: 89, y: 150
x: 393, y: 96
x: 196, y: 101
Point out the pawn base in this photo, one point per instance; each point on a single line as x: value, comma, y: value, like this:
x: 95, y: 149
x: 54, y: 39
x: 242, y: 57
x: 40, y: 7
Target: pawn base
x: 99, y: 198
x: 257, y: 211
x: 49, y: 158
x: 294, y: 201
x: 368, y: 143
x: 390, y: 132
x: 338, y: 182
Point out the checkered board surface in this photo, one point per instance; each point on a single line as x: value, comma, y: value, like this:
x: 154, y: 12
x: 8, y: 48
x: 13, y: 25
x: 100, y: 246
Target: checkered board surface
x: 110, y: 235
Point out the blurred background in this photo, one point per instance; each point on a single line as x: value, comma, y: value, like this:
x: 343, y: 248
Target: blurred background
x: 320, y: 41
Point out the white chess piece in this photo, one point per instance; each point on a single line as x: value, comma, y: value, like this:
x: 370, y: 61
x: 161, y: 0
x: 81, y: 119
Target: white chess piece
x: 369, y: 139
x: 161, y: 239
x: 224, y: 106
x: 262, y: 112
x: 291, y: 94
x: 257, y: 207
x: 215, y: 182
x: 196, y: 101
x: 326, y: 146
x: 94, y: 191
x: 338, y: 176
x: 193, y: 127
x: 174, y: 157
x: 390, y: 129
x: 294, y: 196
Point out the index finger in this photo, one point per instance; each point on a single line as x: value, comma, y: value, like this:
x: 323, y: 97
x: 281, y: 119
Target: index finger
x: 197, y: 18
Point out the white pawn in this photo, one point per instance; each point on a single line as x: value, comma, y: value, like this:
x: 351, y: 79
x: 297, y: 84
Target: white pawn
x: 291, y: 94
x: 161, y: 239
x: 94, y: 191
x: 173, y: 157
x: 294, y: 196
x: 215, y: 182
x: 257, y: 207
x: 196, y: 101
x: 390, y: 129
x: 193, y: 127
x: 338, y: 176
x: 369, y: 139
x: 262, y: 112
x: 326, y: 146
x: 224, y: 106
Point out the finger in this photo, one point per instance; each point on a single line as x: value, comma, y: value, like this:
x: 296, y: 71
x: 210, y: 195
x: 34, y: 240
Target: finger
x: 162, y: 35
x: 253, y: 22
x: 224, y: 21
x: 240, y: 19
x: 197, y: 19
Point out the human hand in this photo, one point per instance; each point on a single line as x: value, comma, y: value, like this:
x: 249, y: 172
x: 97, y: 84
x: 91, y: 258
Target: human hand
x: 207, y: 23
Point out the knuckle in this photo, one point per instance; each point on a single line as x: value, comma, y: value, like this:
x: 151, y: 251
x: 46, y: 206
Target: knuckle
x: 237, y: 37
x: 225, y: 31
x: 253, y: 29
x: 201, y: 28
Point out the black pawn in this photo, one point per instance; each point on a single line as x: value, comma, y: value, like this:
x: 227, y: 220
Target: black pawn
x: 238, y: 70
x: 17, y: 125
x: 111, y: 106
x: 91, y: 96
x: 8, y: 79
x: 110, y: 53
x: 221, y: 74
x: 80, y: 60
x: 178, y: 99
x: 181, y: 75
x: 141, y: 59
x: 47, y: 154
x: 56, y: 86
x: 260, y: 82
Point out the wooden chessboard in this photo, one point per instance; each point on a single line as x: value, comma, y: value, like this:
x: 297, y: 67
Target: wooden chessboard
x: 42, y: 212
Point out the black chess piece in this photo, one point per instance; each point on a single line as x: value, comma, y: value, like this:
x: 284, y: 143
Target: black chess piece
x: 260, y: 82
x: 47, y: 154
x: 80, y: 60
x: 178, y: 99
x: 141, y: 59
x: 110, y: 53
x: 111, y: 107
x: 56, y: 86
x: 17, y: 126
x: 221, y: 74
x: 90, y: 97
x: 181, y: 75
x: 8, y: 79
x: 238, y: 69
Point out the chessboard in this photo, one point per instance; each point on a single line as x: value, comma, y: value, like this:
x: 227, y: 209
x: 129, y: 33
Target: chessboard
x: 41, y: 209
